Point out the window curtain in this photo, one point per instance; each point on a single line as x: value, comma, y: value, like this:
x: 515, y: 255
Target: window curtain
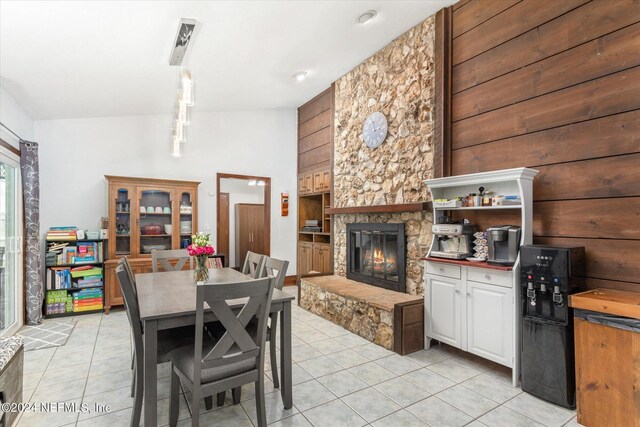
x: 34, y: 291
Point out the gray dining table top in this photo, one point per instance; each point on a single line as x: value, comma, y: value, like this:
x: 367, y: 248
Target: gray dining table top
x: 173, y: 293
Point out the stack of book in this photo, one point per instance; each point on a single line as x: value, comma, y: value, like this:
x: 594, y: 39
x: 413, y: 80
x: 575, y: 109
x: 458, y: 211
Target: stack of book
x: 88, y: 276
x: 62, y: 233
x: 88, y: 252
x: 58, y: 278
x: 87, y: 300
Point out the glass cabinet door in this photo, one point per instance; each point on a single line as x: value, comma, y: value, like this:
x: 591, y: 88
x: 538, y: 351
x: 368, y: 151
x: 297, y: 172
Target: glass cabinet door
x: 187, y: 216
x: 155, y: 223
x: 122, y: 208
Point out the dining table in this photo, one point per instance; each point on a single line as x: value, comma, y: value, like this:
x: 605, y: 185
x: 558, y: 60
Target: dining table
x: 168, y: 300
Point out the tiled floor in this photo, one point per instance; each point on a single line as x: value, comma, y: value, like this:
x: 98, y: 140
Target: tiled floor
x: 339, y: 379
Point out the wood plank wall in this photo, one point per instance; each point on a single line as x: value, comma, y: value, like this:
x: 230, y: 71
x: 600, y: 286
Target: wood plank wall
x: 555, y: 86
x: 315, y: 133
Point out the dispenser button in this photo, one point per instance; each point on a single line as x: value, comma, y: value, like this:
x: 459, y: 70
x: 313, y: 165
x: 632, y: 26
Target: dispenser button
x: 555, y: 280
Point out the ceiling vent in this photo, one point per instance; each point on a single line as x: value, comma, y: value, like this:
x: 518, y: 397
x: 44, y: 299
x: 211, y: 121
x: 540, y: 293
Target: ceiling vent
x: 185, y: 34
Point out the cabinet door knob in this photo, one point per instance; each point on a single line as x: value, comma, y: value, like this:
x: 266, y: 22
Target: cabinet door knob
x: 487, y: 276
x: 442, y: 269
x: 457, y: 291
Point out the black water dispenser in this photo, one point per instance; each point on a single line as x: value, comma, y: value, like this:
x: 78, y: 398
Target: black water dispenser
x: 549, y: 274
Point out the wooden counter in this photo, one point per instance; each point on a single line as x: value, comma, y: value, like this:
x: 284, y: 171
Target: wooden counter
x: 609, y: 301
x: 607, y: 361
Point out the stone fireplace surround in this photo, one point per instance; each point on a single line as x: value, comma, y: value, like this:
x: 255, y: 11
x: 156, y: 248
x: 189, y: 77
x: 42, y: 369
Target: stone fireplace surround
x: 391, y: 319
x: 397, y: 81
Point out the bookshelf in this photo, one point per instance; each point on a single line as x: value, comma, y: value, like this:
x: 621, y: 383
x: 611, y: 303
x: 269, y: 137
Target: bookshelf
x: 74, y: 276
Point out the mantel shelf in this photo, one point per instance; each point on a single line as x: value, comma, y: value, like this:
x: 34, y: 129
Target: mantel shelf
x: 406, y: 207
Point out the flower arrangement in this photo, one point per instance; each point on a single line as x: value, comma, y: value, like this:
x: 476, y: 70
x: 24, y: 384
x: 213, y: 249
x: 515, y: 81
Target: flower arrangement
x: 201, y: 249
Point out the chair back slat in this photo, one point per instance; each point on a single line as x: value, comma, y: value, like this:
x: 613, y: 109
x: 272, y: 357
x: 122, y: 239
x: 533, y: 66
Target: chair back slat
x: 253, y: 265
x: 131, y: 305
x: 275, y: 268
x: 163, y: 258
x: 236, y: 344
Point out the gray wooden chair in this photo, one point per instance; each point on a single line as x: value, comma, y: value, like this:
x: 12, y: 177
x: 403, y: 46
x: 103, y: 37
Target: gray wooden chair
x: 168, y: 340
x: 277, y: 269
x: 237, y: 358
x: 162, y: 259
x: 253, y: 264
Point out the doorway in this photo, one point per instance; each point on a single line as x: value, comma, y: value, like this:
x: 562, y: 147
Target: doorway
x: 243, y: 216
x: 11, y: 299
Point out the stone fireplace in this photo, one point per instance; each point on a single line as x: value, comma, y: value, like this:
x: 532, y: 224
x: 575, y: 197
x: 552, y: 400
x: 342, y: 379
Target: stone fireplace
x: 382, y: 187
x: 376, y: 255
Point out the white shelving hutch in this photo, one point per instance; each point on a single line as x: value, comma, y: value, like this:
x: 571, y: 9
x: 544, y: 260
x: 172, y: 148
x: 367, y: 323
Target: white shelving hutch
x: 476, y: 306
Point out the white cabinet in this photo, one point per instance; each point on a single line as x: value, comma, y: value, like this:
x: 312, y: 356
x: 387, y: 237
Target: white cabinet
x: 444, y: 299
x: 490, y: 322
x: 478, y: 316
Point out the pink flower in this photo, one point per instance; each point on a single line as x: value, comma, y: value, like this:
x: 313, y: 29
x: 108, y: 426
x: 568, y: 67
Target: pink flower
x: 199, y: 250
x: 209, y: 250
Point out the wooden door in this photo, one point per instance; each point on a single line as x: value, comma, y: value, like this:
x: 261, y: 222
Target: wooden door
x: 223, y: 227
x: 326, y: 180
x: 249, y: 230
x: 444, y: 310
x: 305, y: 258
x: 490, y: 322
x: 321, y: 258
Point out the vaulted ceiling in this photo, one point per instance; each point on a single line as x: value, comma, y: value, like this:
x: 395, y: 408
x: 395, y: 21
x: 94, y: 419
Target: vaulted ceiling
x: 68, y: 59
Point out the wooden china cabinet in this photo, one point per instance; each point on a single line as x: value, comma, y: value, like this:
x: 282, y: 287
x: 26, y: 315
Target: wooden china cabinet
x: 146, y: 214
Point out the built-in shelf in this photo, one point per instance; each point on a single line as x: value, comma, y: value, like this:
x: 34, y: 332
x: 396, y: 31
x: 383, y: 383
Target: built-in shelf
x: 405, y: 207
x: 142, y: 214
x: 319, y: 233
x: 479, y: 208
x: 122, y: 235
x: 154, y: 235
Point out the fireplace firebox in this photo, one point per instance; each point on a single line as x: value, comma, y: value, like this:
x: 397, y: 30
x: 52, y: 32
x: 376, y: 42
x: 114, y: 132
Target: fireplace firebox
x: 376, y: 254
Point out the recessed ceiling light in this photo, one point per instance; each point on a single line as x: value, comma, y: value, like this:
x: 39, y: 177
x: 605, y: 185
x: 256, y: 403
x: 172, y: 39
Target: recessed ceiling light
x: 367, y: 17
x: 300, y: 75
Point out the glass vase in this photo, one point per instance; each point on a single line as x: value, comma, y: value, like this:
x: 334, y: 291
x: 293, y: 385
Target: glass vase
x: 201, y: 273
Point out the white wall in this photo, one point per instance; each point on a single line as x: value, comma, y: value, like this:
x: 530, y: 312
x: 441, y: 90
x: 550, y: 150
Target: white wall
x: 239, y: 192
x: 75, y: 154
x: 12, y: 115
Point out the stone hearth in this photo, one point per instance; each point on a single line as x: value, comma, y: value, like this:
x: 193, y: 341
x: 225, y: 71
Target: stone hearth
x: 369, y: 311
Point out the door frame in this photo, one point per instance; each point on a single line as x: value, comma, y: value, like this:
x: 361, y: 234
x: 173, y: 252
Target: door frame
x: 218, y: 235
x: 267, y: 203
x: 9, y: 156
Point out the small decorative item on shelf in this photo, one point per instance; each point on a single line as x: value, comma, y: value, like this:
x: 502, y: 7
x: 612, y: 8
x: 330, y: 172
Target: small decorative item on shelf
x: 200, y: 248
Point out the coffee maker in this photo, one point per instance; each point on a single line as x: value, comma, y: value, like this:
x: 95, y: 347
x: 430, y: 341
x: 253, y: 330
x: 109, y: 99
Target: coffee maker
x: 503, y: 242
x: 452, y: 241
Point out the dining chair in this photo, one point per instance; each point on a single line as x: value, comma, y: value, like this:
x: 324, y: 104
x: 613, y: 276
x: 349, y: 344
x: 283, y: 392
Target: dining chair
x: 168, y: 340
x: 237, y: 358
x: 277, y: 269
x: 161, y: 258
x: 253, y: 264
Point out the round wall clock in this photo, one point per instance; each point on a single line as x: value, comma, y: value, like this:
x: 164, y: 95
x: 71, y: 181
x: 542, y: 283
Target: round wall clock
x: 374, y: 130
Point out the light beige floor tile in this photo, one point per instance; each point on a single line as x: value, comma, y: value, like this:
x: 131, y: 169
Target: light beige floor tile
x: 467, y: 401
x: 334, y: 414
x: 436, y: 413
x: 370, y: 404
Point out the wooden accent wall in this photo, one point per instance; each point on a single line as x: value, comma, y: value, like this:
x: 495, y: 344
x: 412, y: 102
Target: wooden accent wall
x: 315, y: 133
x: 555, y: 86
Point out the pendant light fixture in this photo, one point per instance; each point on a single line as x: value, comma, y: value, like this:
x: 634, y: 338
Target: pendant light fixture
x: 187, y: 87
x: 186, y: 90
